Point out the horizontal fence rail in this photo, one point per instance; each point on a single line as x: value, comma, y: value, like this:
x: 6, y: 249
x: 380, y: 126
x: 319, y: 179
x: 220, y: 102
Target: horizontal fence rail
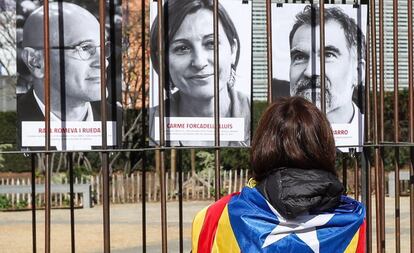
x: 16, y: 192
x: 128, y: 188
x: 123, y: 188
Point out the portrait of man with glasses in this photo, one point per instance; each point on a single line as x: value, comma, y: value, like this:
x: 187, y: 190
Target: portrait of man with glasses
x: 75, y: 74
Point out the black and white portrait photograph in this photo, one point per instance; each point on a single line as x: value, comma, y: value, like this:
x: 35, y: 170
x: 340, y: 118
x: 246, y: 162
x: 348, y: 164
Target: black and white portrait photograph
x: 189, y: 72
x: 7, y: 55
x: 75, y: 75
x: 7, y: 38
x: 296, y: 62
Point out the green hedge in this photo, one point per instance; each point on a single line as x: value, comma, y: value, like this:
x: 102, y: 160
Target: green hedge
x: 8, y: 135
x: 231, y: 158
x: 8, y: 129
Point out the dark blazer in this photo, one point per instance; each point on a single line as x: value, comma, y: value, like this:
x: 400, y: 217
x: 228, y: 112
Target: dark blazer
x: 280, y: 88
x: 28, y: 110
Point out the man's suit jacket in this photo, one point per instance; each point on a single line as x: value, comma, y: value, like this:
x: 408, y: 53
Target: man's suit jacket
x: 280, y: 88
x: 29, y: 110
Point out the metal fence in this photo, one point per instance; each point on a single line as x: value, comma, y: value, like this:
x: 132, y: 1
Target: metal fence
x: 368, y: 167
x: 125, y: 188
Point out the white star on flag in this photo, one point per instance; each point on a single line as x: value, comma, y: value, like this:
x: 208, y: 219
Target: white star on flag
x: 303, y: 226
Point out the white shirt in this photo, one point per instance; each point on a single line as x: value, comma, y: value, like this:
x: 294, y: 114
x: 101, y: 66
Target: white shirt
x: 88, y: 111
x: 356, y: 116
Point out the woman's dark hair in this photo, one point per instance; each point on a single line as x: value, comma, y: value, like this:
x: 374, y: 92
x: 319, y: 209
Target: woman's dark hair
x: 292, y: 133
x: 175, y: 11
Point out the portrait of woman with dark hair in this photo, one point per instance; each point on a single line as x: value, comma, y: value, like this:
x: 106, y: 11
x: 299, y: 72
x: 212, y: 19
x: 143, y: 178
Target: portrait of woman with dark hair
x: 295, y: 201
x: 189, y: 54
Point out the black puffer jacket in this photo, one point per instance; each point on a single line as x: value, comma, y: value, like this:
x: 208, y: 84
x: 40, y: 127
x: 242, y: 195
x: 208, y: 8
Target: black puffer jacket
x: 293, y: 191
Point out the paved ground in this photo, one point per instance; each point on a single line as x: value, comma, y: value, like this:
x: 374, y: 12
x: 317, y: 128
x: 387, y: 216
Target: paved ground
x: 126, y: 230
x: 390, y: 225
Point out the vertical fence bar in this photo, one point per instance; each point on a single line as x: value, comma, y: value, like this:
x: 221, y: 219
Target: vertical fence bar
x: 368, y: 115
x: 356, y: 178
x: 365, y: 162
x: 105, y: 163
x: 269, y: 50
x: 47, y: 123
x: 47, y: 200
x: 322, y: 53
x: 72, y: 204
x: 33, y: 201
x: 366, y: 194
x: 411, y: 116
x: 163, y: 202
x: 105, y: 201
x: 161, y: 83
x: 143, y: 202
x: 377, y: 175
x: 396, y: 129
x: 144, y: 130
x: 375, y: 108
x: 381, y: 70
x: 381, y: 178
x: 216, y: 100
x: 344, y: 171
x: 180, y: 198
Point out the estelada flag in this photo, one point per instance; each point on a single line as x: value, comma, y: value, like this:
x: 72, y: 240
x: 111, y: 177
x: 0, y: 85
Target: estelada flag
x: 246, y: 222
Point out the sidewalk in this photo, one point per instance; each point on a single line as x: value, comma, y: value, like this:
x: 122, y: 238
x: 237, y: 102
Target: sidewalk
x: 126, y: 230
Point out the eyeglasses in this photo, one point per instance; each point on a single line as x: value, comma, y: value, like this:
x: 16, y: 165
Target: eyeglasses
x: 86, y: 50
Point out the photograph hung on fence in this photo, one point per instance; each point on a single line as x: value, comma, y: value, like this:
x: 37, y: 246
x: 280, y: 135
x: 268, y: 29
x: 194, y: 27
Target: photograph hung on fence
x: 7, y: 39
x: 189, y: 73
x: 75, y: 79
x: 296, y: 62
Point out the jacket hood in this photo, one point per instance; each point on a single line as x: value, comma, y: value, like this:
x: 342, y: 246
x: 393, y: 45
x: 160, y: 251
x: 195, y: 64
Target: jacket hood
x: 293, y: 191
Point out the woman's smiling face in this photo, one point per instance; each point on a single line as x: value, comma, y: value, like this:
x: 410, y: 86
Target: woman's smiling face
x: 191, y: 56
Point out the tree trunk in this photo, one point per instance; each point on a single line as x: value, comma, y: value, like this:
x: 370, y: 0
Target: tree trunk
x: 157, y: 168
x: 193, y: 163
x: 41, y: 162
x: 173, y: 166
x: 61, y: 162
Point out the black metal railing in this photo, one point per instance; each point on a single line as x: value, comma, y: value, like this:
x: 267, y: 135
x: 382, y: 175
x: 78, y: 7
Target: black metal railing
x: 371, y: 157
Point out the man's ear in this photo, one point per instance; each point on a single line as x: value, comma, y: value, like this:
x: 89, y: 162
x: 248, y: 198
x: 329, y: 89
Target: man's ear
x: 360, y: 76
x: 34, y: 61
x: 234, y: 49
